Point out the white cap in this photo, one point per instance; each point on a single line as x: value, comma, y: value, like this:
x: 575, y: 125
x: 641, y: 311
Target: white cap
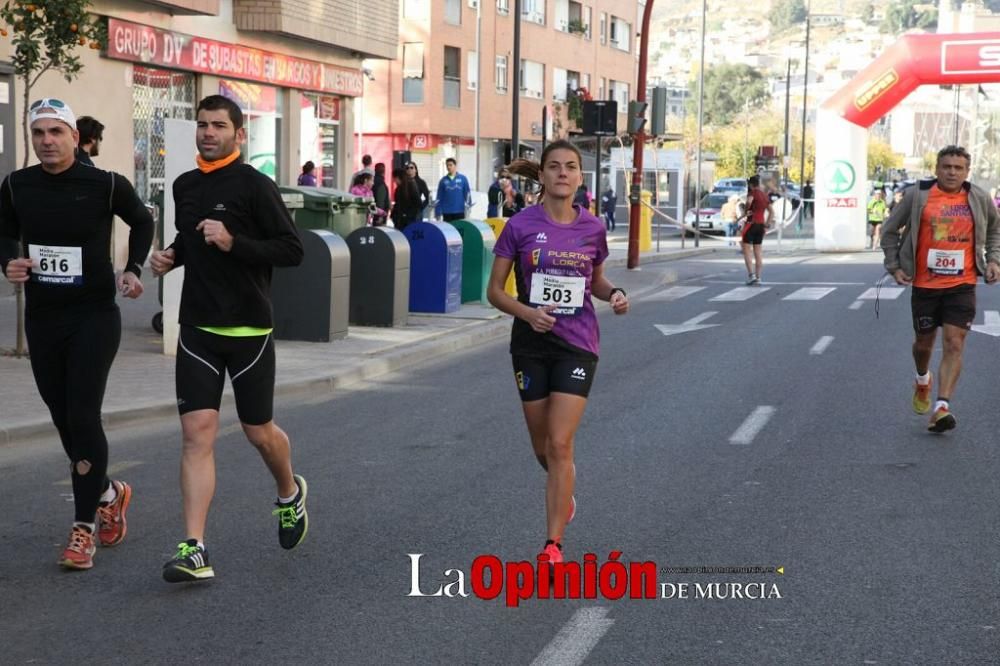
x: 50, y: 107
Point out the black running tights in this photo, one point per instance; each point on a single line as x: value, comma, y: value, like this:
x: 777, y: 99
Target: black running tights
x: 71, y: 357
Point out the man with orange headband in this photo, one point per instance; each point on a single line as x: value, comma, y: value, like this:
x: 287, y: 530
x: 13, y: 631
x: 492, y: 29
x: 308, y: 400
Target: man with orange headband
x: 232, y: 228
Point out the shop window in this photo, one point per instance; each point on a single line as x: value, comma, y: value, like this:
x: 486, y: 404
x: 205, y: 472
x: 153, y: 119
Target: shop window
x: 320, y: 122
x: 157, y: 94
x: 262, y: 118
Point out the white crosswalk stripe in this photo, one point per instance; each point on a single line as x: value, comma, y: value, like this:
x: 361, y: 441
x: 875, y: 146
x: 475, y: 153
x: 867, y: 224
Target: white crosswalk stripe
x: 674, y: 293
x: 740, y: 294
x: 809, y: 293
x: 886, y: 294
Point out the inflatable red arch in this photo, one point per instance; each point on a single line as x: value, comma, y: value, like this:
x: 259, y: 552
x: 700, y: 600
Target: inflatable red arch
x: 842, y: 121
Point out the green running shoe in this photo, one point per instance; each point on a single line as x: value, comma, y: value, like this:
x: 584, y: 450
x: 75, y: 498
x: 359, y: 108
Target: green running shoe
x: 293, y: 521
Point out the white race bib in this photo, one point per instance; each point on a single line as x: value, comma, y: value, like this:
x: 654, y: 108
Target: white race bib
x: 55, y: 264
x: 557, y: 290
x: 946, y: 262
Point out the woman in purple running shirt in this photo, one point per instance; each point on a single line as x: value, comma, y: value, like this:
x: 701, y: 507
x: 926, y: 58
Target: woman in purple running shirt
x: 557, y: 251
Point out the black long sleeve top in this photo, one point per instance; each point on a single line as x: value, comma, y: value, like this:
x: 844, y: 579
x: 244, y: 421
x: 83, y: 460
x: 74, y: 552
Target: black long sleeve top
x: 231, y: 288
x: 63, y: 221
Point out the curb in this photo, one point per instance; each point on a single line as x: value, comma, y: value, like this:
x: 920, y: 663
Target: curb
x: 375, y: 364
x: 622, y: 262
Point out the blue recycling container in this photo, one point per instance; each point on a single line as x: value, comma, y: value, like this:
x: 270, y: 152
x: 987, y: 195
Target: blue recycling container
x: 435, y: 267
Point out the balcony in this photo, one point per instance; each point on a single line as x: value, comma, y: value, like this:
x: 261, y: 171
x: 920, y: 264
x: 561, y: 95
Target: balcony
x: 207, y: 7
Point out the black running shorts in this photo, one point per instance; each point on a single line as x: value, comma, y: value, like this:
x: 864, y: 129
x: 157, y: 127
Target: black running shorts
x: 537, y: 377
x: 753, y: 234
x: 203, y: 359
x: 935, y: 307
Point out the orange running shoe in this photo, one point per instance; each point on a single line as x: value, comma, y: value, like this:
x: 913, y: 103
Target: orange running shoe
x: 111, y: 517
x: 922, y: 396
x: 79, y: 553
x: 554, y: 553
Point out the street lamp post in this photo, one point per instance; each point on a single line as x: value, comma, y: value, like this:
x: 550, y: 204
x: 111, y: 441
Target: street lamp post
x: 805, y: 96
x: 514, y: 138
x: 701, y: 119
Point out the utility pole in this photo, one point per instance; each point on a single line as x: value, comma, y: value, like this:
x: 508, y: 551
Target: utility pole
x: 479, y: 79
x: 515, y: 140
x: 639, y: 145
x: 805, y: 96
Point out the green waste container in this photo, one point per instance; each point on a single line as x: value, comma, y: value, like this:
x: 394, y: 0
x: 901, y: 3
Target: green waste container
x: 350, y: 212
x: 315, y: 210
x: 477, y: 258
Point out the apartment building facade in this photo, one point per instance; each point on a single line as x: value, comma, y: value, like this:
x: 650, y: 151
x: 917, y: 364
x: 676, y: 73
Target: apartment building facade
x: 294, y: 66
x: 424, y: 100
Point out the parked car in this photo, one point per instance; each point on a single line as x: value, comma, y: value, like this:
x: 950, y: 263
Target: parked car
x: 708, y: 213
x: 731, y: 186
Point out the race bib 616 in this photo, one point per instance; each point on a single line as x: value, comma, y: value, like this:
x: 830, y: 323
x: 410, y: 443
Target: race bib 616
x: 56, y: 264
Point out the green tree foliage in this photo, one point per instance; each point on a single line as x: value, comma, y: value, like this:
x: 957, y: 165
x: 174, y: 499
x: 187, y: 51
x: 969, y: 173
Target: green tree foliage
x: 47, y: 34
x: 903, y: 15
x: 881, y: 158
x: 786, y: 13
x: 727, y: 89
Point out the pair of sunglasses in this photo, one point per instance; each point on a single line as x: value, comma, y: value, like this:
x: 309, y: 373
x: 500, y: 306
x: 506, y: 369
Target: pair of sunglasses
x: 48, y: 102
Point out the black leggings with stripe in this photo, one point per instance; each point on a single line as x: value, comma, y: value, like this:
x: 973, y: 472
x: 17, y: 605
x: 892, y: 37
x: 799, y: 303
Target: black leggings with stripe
x: 71, y: 357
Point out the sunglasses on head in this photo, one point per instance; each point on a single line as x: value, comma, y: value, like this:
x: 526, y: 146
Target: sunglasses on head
x: 48, y: 102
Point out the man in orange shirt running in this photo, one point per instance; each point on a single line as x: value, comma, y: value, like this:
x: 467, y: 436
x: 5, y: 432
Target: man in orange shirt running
x: 951, y: 237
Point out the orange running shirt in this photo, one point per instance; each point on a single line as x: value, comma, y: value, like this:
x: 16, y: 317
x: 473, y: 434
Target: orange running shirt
x: 946, y: 243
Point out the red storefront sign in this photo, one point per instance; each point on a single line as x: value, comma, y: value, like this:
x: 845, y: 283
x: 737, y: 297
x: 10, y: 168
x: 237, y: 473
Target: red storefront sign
x: 152, y: 46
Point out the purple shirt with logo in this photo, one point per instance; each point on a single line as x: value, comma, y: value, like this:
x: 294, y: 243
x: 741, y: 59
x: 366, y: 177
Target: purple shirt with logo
x: 536, y: 243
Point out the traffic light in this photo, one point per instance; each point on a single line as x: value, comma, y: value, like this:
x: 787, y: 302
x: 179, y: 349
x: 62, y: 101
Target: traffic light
x: 658, y: 114
x: 636, y: 117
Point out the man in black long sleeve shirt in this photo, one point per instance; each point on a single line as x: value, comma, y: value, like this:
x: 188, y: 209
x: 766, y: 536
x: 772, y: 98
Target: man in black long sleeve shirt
x: 55, y: 238
x: 232, y: 228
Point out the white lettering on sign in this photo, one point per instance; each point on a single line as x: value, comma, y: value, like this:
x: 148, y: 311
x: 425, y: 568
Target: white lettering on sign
x: 989, y: 56
x: 842, y: 202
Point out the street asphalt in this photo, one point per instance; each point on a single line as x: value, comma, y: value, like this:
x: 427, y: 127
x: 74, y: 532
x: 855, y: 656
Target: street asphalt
x: 747, y: 437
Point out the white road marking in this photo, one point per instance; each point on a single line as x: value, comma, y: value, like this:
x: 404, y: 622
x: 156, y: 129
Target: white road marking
x: 753, y: 424
x: 990, y: 325
x: 856, y: 305
x: 673, y: 293
x: 821, y: 345
x: 740, y: 294
x: 576, y: 639
x: 886, y: 294
x: 693, y: 324
x: 809, y: 293
x: 772, y: 282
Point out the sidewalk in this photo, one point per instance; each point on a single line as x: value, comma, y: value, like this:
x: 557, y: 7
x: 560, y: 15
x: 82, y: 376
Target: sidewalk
x: 141, y: 385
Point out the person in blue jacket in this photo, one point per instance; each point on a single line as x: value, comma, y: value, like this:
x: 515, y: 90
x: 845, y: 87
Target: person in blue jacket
x: 453, y: 195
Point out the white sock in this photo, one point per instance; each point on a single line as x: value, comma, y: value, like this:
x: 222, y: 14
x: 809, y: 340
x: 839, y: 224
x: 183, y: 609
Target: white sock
x: 109, y: 495
x: 924, y: 380
x: 89, y: 526
x: 941, y: 403
x: 287, y: 500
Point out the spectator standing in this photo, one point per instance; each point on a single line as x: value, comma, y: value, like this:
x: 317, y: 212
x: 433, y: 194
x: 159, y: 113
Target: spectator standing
x: 380, y: 192
x: 308, y: 177
x: 454, y: 196
x: 91, y: 132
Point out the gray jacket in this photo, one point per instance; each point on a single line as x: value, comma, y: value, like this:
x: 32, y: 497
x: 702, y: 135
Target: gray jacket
x: 900, y: 249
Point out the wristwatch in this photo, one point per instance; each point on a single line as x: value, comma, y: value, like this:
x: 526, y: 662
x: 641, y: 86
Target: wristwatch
x: 621, y: 291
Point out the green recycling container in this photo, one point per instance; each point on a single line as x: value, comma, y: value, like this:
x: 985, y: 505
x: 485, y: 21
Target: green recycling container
x: 477, y: 258
x: 350, y: 212
x: 315, y: 211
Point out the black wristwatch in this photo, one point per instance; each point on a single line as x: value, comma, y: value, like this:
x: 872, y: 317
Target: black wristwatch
x: 616, y: 289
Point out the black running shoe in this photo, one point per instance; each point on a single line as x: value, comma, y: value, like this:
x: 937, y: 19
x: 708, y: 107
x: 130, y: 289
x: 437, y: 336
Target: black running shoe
x: 189, y: 564
x: 293, y: 521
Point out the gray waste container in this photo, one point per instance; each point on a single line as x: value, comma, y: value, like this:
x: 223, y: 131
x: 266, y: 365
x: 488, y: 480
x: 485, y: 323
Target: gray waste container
x: 311, y: 300
x: 380, y: 277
